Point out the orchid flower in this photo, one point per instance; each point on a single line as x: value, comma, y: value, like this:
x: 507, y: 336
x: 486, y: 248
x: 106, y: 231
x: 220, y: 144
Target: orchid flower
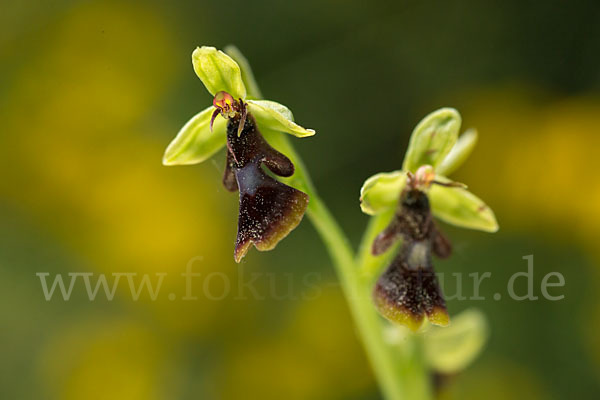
x: 269, y: 210
x: 408, y: 290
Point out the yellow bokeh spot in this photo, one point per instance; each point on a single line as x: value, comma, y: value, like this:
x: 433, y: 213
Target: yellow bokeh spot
x: 106, y: 359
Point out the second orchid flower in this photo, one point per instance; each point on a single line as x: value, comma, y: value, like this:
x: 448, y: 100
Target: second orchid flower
x: 408, y: 290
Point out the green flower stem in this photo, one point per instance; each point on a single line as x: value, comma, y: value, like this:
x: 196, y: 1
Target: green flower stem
x: 413, y: 372
x: 416, y: 371
x: 388, y: 363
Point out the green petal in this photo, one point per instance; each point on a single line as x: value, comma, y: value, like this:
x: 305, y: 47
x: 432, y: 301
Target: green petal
x: 458, y: 206
x: 450, y: 350
x: 247, y: 74
x: 382, y: 192
x: 275, y: 116
x: 432, y: 139
x: 459, y: 153
x: 195, y: 142
x: 218, y: 72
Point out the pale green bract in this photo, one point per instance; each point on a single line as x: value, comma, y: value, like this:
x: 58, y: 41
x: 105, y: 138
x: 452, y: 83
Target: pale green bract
x: 451, y: 349
x: 195, y: 142
x: 430, y: 140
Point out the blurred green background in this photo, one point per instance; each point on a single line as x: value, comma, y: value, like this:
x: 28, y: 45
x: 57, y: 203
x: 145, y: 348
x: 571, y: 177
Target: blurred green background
x: 91, y: 94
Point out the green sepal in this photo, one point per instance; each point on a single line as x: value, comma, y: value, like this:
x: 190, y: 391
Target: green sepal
x: 432, y: 139
x: 277, y: 117
x: 195, y: 142
x: 382, y: 192
x: 458, y: 206
x: 218, y: 72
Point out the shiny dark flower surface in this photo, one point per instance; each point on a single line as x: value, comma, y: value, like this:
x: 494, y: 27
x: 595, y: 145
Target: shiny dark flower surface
x: 408, y: 290
x: 269, y: 210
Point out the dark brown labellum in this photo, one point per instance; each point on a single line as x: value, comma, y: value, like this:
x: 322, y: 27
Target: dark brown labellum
x: 408, y: 290
x: 269, y: 209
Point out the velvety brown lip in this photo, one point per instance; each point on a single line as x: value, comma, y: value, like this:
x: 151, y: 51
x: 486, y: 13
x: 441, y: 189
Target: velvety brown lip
x: 269, y: 210
x: 268, y: 213
x: 408, y: 290
x: 405, y: 294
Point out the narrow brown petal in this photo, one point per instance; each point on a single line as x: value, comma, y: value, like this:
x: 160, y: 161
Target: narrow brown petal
x: 440, y: 244
x: 385, y: 239
x: 277, y: 162
x: 229, y: 176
